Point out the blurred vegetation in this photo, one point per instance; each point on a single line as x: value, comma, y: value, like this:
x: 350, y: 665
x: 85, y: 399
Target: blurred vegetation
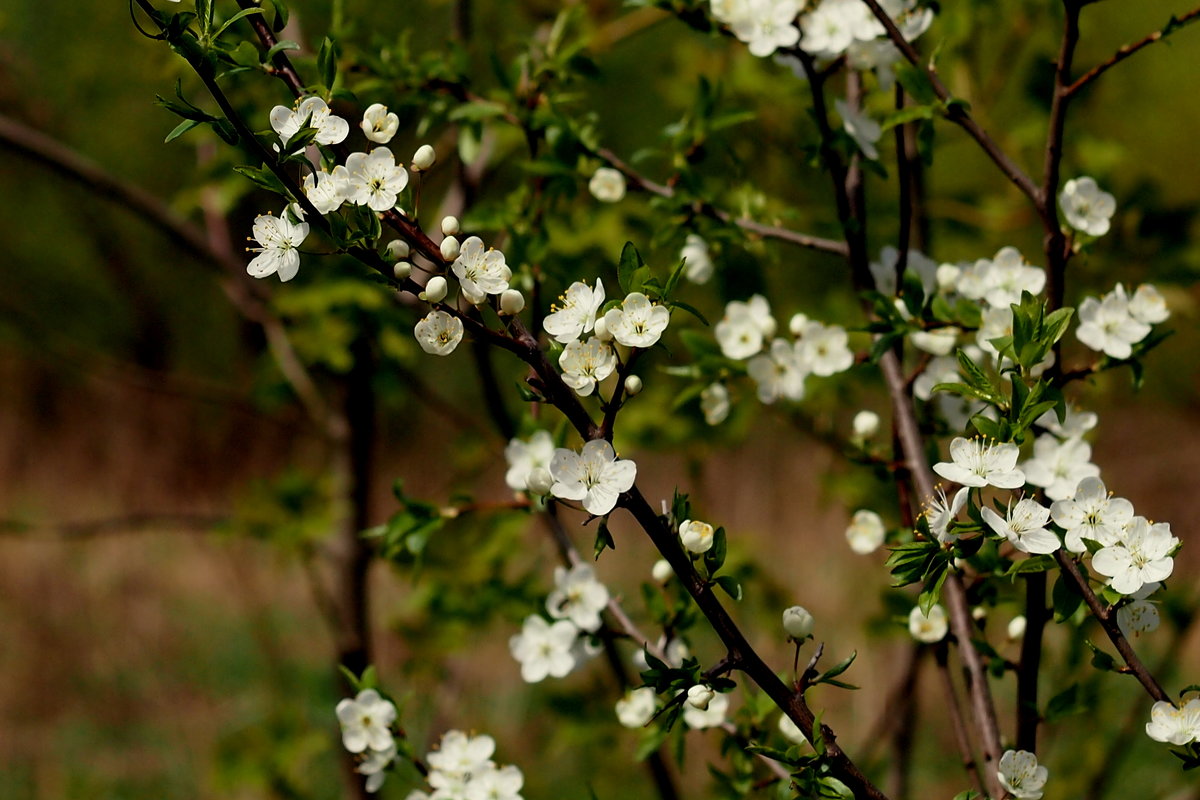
x: 181, y: 667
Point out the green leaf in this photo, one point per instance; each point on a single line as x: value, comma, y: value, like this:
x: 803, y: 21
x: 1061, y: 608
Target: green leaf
x: 837, y: 669
x: 604, y: 539
x: 263, y: 177
x: 714, y: 557
x: 327, y: 61
x: 688, y: 308
x: 1026, y: 566
x: 240, y: 15
x: 281, y: 15
x: 628, y: 269
x: 180, y: 130
x: 1066, y: 598
x: 916, y: 82
x: 731, y: 587
x: 1065, y: 704
x: 279, y: 47
x: 1100, y: 659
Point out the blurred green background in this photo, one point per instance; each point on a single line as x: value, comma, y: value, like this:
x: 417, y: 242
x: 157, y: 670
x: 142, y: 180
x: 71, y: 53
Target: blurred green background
x: 165, y: 503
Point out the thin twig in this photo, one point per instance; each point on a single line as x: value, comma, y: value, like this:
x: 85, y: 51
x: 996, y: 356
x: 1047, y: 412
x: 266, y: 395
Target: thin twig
x: 954, y: 710
x: 125, y: 523
x: 1174, y: 24
x: 1054, y: 242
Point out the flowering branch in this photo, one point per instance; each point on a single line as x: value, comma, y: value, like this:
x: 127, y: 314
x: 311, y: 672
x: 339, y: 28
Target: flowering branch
x: 1174, y: 24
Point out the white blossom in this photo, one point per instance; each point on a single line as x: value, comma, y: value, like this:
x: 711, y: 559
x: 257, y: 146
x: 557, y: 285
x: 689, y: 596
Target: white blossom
x: 862, y: 129
x: 544, y: 649
x: 638, y: 322
x: 524, y: 458
x: 928, y: 628
x: 1074, y: 425
x: 778, y: 373
x: 577, y: 596
x: 577, y: 314
x: 439, y: 333
x: 1000, y: 280
x: 865, y: 424
x: 365, y: 721
x: 374, y: 766
x: 1016, y: 627
x: 594, y: 476
x: 662, y: 571
x: 1058, y: 467
x: 699, y: 264
x: 943, y: 369
x: 798, y: 622
x: 936, y: 342
x: 373, y: 179
x: 1021, y: 776
x: 607, y: 185
x: 637, y: 707
x: 481, y: 271
x: 1178, y: 726
x: 378, y: 124
x: 495, y: 783
x: 1137, y: 617
x: 744, y: 328
x: 312, y: 112
x: 767, y: 25
x: 866, y: 532
x: 1141, y: 556
x: 279, y: 239
x: 940, y: 512
x: 584, y: 364
x: 1091, y: 513
x: 325, y: 191
x: 1024, y: 525
x: 1086, y: 207
x: 458, y: 757
x: 699, y: 696
x: 697, y: 536
x: 1148, y: 305
x: 435, y: 290
x: 1108, y: 326
x: 824, y: 349
x: 978, y: 462
x: 714, y: 403
x: 711, y: 717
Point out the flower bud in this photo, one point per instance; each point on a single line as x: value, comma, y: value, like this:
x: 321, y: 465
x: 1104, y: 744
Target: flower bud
x: 398, y: 249
x: 978, y: 613
x: 402, y: 270
x: 450, y: 226
x: 423, y: 159
x: 633, y: 385
x: 600, y: 330
x: 511, y: 302
x: 539, y: 481
x: 866, y: 424
x: 696, y: 536
x: 661, y: 571
x: 435, y: 290
x: 796, y: 324
x: 798, y: 622
x: 699, y: 696
x: 1016, y: 628
x: 450, y: 248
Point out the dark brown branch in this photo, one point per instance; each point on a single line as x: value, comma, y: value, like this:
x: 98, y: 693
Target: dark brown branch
x: 1054, y: 242
x: 1037, y: 614
x: 1174, y: 24
x: 953, y: 708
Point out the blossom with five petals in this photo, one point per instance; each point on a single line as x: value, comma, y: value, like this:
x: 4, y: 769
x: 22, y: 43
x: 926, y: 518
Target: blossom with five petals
x: 594, y: 475
x: 278, y: 254
x: 977, y: 462
x: 365, y: 721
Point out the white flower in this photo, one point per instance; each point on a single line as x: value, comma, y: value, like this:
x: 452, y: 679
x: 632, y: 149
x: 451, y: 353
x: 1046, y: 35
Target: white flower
x: 941, y: 512
x: 824, y: 349
x: 1074, y: 425
x: 365, y: 721
x: 492, y: 783
x: 577, y: 596
x: 711, y: 717
x: 378, y: 124
x: 1148, y: 305
x: 1086, y: 208
x: 1108, y: 326
x: 1136, y: 618
x: 1024, y: 526
x: 862, y: 129
x: 798, y: 622
x: 699, y: 696
x: 577, y: 314
x: 439, y: 333
x: 791, y: 731
x: 481, y: 271
x: 714, y: 403
x: 976, y: 462
x: 1058, y: 467
x: 834, y: 25
x: 695, y: 253
x: 524, y: 458
x: 1091, y: 514
x: 1016, y: 627
x: 1141, y: 556
x: 662, y: 571
x: 744, y: 327
x: 544, y: 649
x: 943, y: 369
x: 461, y: 756
x: 936, y: 342
x: 594, y: 475
x: 324, y: 191
x: 928, y: 629
x: 279, y: 239
x: 767, y: 25
x: 637, y: 707
x: 373, y: 179
x: 1021, y: 776
x: 374, y: 766
x: 312, y: 112
x: 1002, y: 280
x: 779, y: 373
x: 865, y: 424
x: 1173, y: 725
x: 866, y: 532
x: 697, y: 536
x: 995, y: 323
x: 584, y: 364
x: 607, y: 185
x: 638, y: 322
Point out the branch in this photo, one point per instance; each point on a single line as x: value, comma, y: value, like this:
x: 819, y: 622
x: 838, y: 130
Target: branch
x: 126, y: 523
x: 1054, y: 240
x: 954, y: 710
x: 1173, y: 24
x: 1037, y: 614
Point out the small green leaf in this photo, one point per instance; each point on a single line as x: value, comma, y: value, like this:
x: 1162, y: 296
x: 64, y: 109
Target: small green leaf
x: 731, y: 587
x: 327, y: 61
x: 180, y: 130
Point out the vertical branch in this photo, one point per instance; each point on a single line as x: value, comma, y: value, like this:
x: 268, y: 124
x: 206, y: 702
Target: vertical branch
x: 1054, y: 241
x: 1037, y: 614
x: 961, y: 738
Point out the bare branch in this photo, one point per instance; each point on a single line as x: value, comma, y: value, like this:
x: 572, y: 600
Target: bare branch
x: 1174, y: 24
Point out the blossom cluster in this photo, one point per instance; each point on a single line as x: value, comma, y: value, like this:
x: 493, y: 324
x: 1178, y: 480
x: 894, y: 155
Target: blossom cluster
x: 366, y: 731
x: 461, y: 768
x: 557, y: 648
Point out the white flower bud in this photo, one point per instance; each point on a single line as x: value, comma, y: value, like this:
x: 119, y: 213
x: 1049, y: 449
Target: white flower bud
x: 1016, y: 628
x: 699, y: 696
x: 450, y: 226
x: 633, y: 385
x: 402, y: 270
x: 600, y: 330
x: 866, y: 424
x: 398, y: 249
x: 661, y: 571
x: 539, y: 481
x: 978, y: 613
x: 435, y: 290
x: 450, y: 248
x: 423, y: 159
x: 511, y: 302
x: 798, y: 622
x: 696, y: 536
x: 796, y: 324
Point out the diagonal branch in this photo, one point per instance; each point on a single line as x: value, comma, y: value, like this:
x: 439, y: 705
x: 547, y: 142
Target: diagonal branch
x: 1174, y: 24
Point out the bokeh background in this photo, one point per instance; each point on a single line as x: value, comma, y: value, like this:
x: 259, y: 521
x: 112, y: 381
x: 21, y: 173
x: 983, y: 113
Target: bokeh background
x: 172, y: 522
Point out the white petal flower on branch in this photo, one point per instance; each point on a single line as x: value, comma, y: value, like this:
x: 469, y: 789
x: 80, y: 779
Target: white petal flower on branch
x: 526, y: 457
x: 378, y: 124
x: 460, y: 756
x: 943, y: 369
x: 698, y: 262
x: 861, y: 128
x: 1086, y: 207
x: 977, y: 462
x: 584, y: 364
x: 1106, y: 325
x: 1148, y: 305
x: 928, y: 628
x: 866, y: 532
x: 325, y: 191
x: 1178, y: 726
x: 495, y: 783
x: 373, y: 179
x: 766, y: 25
x: 544, y: 649
x: 439, y: 333
x: 607, y: 185
x: 1074, y: 425
x: 714, y: 403
x: 699, y: 696
x: 480, y: 270
x: 279, y: 240
x: 637, y: 322
x: 696, y: 536
x: 365, y: 722
x: 824, y: 349
x: 798, y: 622
x: 1091, y: 513
x: 312, y: 112
x: 1058, y: 467
x: 1021, y: 776
x: 940, y: 512
x: 744, y: 328
x: 1141, y: 556
x: 778, y: 373
x: 865, y: 424
x: 577, y: 313
x: 594, y: 476
x: 578, y: 597
x: 375, y: 765
x: 1024, y: 526
x: 1136, y: 618
x: 711, y: 717
x: 637, y: 707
